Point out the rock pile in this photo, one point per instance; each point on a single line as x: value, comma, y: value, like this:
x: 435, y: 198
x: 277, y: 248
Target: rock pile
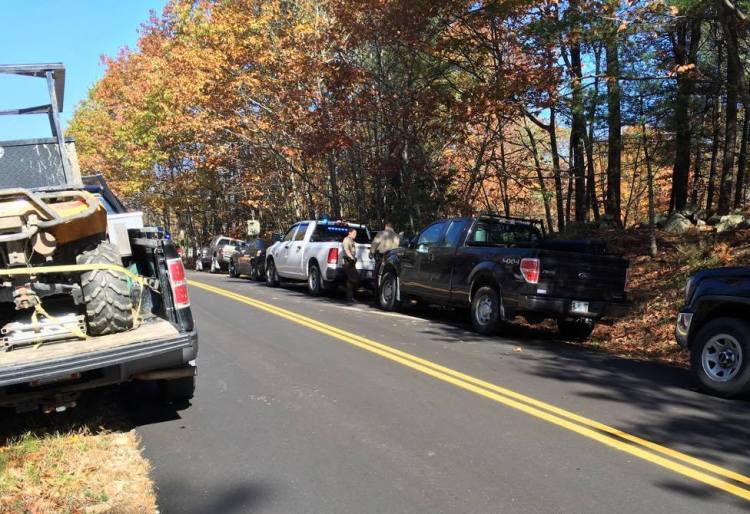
x: 680, y: 222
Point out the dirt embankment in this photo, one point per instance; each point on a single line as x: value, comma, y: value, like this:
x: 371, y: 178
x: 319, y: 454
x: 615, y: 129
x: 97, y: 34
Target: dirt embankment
x: 657, y: 287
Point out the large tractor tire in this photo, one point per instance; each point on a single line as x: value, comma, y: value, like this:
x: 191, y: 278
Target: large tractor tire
x: 109, y: 308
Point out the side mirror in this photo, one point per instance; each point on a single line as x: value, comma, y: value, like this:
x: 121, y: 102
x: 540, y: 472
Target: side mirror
x: 422, y: 248
x: 276, y: 237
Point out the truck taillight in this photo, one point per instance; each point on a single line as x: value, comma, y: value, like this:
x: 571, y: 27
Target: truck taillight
x: 530, y: 270
x: 333, y: 256
x: 178, y: 282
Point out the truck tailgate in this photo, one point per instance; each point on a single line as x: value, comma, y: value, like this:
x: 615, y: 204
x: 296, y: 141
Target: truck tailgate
x: 364, y: 261
x: 583, y: 276
x: 25, y: 363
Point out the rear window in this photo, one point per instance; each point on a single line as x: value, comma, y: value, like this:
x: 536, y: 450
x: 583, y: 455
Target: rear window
x: 336, y: 232
x: 503, y: 233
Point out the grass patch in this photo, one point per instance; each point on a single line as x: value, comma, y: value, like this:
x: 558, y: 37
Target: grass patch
x: 75, y: 472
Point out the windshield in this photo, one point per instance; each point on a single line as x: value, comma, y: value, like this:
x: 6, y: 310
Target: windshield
x: 499, y: 232
x: 336, y: 232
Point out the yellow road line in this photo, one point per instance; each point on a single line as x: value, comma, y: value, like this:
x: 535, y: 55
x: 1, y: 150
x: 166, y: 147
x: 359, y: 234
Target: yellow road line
x: 581, y: 425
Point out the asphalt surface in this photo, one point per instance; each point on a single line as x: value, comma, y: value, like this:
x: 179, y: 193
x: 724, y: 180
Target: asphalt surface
x: 289, y: 419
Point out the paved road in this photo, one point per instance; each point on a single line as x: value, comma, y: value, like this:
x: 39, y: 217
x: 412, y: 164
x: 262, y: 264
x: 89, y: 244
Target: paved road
x: 291, y: 417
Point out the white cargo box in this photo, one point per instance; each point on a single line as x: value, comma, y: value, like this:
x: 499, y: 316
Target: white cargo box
x: 117, y: 228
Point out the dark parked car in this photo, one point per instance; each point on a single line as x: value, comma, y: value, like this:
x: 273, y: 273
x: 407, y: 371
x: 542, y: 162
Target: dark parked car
x: 714, y: 325
x: 249, y: 259
x: 501, y: 267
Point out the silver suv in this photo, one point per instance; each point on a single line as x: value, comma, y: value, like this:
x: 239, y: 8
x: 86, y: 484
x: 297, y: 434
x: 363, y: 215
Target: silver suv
x: 216, y: 256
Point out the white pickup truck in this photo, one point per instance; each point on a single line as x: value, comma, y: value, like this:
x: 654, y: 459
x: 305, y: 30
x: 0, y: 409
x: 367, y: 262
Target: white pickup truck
x: 313, y: 251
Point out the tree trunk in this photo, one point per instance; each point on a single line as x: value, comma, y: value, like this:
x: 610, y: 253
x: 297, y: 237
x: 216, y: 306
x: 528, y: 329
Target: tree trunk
x: 540, y: 176
x: 739, y: 197
x: 653, y: 249
x: 592, y: 200
x: 698, y: 159
x: 685, y: 53
x: 614, y: 122
x: 504, y: 179
x: 556, y: 171
x: 578, y: 124
x: 716, y: 135
x: 730, y: 121
x: 333, y: 185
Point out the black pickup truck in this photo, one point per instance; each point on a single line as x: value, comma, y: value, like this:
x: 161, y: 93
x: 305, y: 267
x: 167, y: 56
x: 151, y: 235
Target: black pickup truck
x: 714, y: 326
x: 503, y: 267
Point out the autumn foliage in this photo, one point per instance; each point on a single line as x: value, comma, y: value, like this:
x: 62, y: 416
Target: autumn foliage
x: 403, y: 110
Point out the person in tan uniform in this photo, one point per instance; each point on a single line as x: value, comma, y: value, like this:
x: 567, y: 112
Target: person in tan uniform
x: 350, y: 264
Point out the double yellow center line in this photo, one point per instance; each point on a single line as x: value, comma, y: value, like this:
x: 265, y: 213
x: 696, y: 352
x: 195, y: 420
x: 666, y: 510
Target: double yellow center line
x: 678, y: 462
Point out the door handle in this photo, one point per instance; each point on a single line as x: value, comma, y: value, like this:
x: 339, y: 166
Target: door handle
x: 299, y: 248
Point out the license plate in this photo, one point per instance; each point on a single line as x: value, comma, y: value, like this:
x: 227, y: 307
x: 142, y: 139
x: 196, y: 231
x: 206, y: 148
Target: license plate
x: 582, y: 307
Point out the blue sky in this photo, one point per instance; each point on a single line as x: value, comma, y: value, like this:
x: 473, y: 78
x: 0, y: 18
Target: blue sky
x: 74, y: 32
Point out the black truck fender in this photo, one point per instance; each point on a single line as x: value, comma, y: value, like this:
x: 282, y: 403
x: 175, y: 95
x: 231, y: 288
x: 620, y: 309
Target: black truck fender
x: 486, y: 273
x: 709, y: 307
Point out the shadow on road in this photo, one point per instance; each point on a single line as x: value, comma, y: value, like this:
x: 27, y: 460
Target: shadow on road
x: 114, y: 409
x: 230, y: 498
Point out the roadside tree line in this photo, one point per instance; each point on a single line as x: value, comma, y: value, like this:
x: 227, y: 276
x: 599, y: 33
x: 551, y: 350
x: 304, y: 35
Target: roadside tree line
x: 572, y: 111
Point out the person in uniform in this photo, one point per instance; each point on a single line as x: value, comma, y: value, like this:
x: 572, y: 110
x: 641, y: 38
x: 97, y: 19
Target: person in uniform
x: 350, y: 264
x: 385, y: 240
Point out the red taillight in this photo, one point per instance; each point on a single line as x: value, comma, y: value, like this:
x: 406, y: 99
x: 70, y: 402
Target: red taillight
x: 333, y: 256
x: 530, y: 270
x: 178, y: 283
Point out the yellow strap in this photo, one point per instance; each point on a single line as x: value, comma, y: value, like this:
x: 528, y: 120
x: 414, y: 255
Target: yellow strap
x: 137, y: 309
x: 73, y: 327
x: 72, y: 268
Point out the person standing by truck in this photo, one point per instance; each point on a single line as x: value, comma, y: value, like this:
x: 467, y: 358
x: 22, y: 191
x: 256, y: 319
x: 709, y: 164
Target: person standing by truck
x: 385, y: 240
x: 350, y: 264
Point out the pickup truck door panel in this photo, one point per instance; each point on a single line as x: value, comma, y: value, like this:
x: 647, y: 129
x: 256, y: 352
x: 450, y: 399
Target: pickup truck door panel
x: 295, y: 261
x: 281, y: 258
x: 442, y: 259
x: 418, y: 279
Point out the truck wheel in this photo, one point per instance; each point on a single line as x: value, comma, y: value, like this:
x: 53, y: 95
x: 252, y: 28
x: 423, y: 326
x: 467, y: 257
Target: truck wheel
x: 106, y: 294
x: 485, y: 310
x: 314, y: 280
x: 388, y: 292
x: 178, y: 389
x: 254, y: 275
x: 272, y: 278
x: 233, y: 270
x: 719, y: 357
x: 576, y: 329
